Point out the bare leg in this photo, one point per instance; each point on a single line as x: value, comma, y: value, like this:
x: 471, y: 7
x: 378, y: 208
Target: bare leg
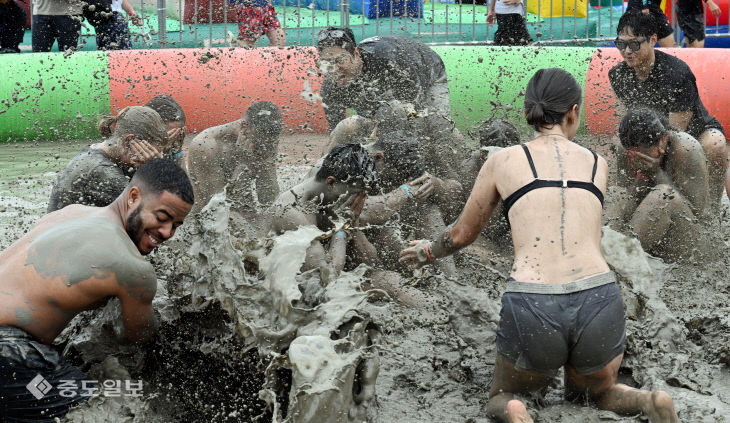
x: 668, y: 41
x: 715, y: 147
x: 601, y: 387
x: 665, y: 211
x: 277, y: 38
x: 247, y: 43
x: 396, y: 286
x: 508, y: 381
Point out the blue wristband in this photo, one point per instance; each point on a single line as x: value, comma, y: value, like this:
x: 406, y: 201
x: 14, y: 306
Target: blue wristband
x: 407, y: 190
x: 342, y: 234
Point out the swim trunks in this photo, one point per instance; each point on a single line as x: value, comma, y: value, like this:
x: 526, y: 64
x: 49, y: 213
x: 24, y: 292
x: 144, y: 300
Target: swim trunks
x: 30, y: 373
x: 545, y: 326
x: 255, y: 21
x: 692, y: 24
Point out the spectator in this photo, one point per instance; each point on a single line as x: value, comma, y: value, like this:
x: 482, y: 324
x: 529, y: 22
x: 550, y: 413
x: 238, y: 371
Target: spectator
x: 691, y: 19
x: 55, y: 20
x: 256, y: 18
x: 664, y: 30
x: 113, y: 33
x: 12, y: 26
x: 511, y: 23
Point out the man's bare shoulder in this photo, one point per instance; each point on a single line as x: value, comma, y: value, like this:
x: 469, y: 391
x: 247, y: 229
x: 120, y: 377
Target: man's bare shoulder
x: 687, y: 144
x: 90, y: 247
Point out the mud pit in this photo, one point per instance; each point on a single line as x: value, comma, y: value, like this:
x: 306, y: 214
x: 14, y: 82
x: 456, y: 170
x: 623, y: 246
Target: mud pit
x: 244, y: 338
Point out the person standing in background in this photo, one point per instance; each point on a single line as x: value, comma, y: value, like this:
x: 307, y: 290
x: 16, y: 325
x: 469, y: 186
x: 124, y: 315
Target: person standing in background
x: 55, y: 20
x: 12, y: 26
x: 511, y: 23
x: 113, y: 33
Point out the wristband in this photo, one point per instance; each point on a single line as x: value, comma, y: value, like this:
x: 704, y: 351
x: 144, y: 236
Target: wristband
x: 428, y: 252
x: 641, y: 177
x: 343, y: 234
x: 407, y: 190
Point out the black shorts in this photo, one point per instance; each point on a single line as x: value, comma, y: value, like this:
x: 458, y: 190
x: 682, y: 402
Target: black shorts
x: 30, y: 373
x: 583, y: 327
x: 511, y: 30
x: 692, y: 24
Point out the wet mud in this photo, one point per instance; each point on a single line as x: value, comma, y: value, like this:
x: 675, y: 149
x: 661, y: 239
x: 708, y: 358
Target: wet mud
x: 245, y: 337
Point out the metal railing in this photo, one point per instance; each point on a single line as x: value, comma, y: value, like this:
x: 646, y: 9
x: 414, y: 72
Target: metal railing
x: 212, y: 23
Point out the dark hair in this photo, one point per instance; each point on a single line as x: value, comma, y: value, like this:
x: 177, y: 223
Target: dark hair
x: 641, y: 24
x: 337, y: 37
x: 642, y: 127
x: 159, y: 175
x: 265, y: 119
x: 403, y: 158
x: 140, y: 121
x: 167, y: 107
x: 349, y: 163
x: 498, y: 133
x: 549, y: 96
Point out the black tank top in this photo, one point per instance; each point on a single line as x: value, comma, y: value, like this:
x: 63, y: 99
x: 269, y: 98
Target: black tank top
x: 542, y: 183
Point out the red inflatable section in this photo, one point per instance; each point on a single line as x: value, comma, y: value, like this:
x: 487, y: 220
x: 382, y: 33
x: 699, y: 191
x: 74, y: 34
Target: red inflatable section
x: 205, y: 13
x: 723, y: 18
x: 710, y: 66
x: 215, y: 86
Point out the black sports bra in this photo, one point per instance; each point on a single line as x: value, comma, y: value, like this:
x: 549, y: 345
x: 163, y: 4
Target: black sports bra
x: 542, y: 183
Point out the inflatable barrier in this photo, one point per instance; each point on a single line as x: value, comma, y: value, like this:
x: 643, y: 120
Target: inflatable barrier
x: 47, y: 96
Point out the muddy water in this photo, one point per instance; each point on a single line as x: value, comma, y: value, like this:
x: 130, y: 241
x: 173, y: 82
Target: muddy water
x: 245, y: 338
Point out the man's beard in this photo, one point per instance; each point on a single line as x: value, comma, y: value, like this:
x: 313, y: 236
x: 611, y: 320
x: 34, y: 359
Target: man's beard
x: 134, y: 226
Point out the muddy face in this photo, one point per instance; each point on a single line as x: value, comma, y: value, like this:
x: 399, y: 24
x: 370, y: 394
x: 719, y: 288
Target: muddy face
x: 338, y: 63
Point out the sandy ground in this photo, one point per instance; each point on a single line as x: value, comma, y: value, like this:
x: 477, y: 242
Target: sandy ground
x: 226, y: 349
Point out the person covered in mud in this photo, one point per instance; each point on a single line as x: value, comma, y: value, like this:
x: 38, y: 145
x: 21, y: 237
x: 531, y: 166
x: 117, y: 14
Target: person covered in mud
x: 75, y: 259
x: 406, y: 204
x: 379, y: 69
x: 174, y: 118
x: 666, y: 182
x: 654, y: 79
x: 97, y: 175
x: 238, y: 153
x: 560, y: 285
x: 337, y: 191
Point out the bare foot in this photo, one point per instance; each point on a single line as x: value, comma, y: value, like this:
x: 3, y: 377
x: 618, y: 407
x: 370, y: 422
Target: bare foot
x: 659, y: 407
x: 517, y: 412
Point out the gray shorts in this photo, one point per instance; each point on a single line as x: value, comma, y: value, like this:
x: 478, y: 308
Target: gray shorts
x: 543, y: 327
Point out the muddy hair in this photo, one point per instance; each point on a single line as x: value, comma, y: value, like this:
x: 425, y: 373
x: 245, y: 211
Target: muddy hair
x: 168, y: 109
x: 140, y: 121
x: 641, y: 24
x: 345, y: 41
x: 403, y: 158
x: 549, y: 96
x: 498, y: 133
x: 351, y: 164
x: 265, y: 120
x: 642, y: 127
x: 158, y: 175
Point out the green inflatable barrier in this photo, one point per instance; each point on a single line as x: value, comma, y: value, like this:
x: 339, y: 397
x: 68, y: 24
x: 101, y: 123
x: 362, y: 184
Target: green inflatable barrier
x: 53, y: 97
x: 489, y: 83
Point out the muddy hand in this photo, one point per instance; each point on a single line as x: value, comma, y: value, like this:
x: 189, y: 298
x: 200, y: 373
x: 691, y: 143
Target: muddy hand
x: 643, y: 163
x: 142, y: 151
x: 491, y: 17
x: 429, y: 185
x: 418, y: 254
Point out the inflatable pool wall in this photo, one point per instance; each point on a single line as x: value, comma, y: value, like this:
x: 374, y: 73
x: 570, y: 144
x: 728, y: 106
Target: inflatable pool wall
x: 46, y: 96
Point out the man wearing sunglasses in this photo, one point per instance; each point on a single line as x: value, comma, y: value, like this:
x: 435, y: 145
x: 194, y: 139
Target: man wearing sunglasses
x: 661, y: 82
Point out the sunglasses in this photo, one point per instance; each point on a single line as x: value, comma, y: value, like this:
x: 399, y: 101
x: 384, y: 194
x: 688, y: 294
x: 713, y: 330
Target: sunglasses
x: 332, y: 33
x: 634, y: 45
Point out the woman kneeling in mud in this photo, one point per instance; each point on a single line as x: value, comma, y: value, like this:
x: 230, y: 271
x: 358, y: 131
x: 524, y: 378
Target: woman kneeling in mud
x: 561, y: 306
